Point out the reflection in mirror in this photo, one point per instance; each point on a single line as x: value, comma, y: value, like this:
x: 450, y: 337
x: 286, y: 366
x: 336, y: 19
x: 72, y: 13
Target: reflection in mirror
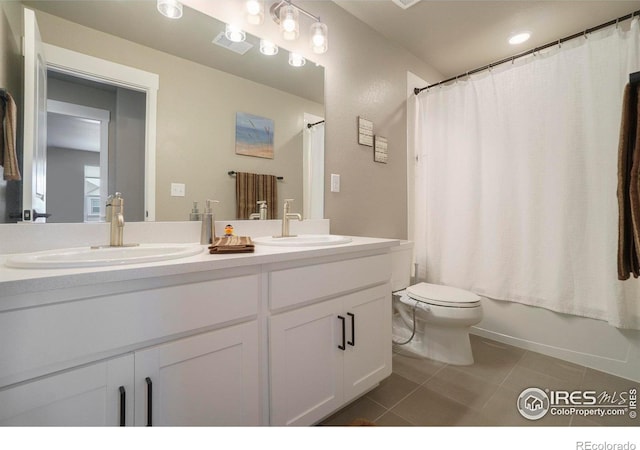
x: 202, y: 86
x: 95, y: 144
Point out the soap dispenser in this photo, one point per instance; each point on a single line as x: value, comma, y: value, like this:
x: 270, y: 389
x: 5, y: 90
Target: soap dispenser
x: 195, y: 213
x: 208, y: 230
x: 263, y: 209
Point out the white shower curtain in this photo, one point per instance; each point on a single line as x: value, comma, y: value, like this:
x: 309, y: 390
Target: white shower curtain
x: 516, y: 180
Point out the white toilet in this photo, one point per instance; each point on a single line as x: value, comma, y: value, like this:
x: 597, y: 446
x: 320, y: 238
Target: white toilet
x: 443, y: 315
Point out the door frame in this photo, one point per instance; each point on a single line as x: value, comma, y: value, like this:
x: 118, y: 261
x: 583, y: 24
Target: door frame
x: 102, y: 116
x: 89, y: 67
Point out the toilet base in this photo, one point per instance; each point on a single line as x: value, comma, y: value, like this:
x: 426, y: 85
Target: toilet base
x: 443, y: 344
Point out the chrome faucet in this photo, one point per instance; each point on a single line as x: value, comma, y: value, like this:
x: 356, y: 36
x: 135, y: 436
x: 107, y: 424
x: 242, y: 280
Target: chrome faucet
x: 115, y: 215
x: 286, y: 216
x: 262, y: 215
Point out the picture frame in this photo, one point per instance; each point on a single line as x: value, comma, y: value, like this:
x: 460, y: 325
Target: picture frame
x: 254, y: 135
x: 365, y: 132
x: 380, y: 149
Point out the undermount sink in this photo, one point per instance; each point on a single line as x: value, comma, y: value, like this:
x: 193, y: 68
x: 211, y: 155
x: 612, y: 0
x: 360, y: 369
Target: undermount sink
x: 103, y: 256
x: 303, y: 240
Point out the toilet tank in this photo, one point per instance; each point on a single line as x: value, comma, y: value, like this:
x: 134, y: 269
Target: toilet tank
x: 401, y: 262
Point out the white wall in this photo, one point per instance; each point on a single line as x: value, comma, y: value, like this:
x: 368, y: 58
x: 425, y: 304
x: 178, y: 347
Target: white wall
x: 365, y: 75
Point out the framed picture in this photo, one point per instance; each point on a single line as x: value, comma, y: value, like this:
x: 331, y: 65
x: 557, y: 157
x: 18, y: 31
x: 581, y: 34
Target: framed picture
x: 254, y: 136
x: 365, y: 132
x: 380, y: 153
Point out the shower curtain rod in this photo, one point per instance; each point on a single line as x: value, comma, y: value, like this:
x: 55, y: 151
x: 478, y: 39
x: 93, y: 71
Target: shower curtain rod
x: 416, y: 91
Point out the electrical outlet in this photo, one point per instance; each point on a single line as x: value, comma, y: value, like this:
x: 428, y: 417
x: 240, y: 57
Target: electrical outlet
x: 335, y: 182
x: 177, y: 189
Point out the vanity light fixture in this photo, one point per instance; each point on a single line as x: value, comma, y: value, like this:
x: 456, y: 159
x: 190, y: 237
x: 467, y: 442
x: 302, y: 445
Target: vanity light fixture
x: 296, y: 60
x: 234, y: 33
x: 287, y: 15
x: 170, y: 8
x: 268, y: 48
x: 289, y: 22
x: 519, y: 38
x: 255, y: 11
x: 319, y: 41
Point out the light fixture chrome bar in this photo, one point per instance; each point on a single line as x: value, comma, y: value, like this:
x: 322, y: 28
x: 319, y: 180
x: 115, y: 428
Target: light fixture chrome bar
x: 275, y: 8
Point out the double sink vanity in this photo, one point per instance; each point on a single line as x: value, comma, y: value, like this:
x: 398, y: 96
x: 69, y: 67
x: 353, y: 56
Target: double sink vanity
x: 168, y: 334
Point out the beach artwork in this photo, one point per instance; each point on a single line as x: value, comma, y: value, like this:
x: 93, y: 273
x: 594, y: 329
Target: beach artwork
x: 254, y: 136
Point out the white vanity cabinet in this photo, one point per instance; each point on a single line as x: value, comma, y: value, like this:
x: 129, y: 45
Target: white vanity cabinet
x: 330, y: 350
x: 276, y: 338
x: 94, y: 395
x: 204, y: 380
x: 196, y: 343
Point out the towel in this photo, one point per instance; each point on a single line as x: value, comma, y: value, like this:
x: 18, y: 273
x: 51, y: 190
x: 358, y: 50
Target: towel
x: 8, y: 124
x: 232, y: 244
x: 628, y: 191
x: 252, y: 188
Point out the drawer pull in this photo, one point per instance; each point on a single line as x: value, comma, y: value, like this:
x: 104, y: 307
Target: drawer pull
x: 123, y: 406
x: 342, y: 347
x: 149, y: 399
x: 352, y: 342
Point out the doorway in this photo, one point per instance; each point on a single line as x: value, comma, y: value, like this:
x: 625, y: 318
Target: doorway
x: 93, y: 124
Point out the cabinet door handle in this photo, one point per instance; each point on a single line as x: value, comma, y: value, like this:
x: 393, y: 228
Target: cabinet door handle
x: 352, y: 342
x: 123, y: 406
x: 149, y: 399
x: 342, y: 347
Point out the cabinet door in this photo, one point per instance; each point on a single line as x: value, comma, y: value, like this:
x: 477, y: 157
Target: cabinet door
x: 305, y: 364
x: 87, y: 396
x: 205, y: 380
x: 367, y: 359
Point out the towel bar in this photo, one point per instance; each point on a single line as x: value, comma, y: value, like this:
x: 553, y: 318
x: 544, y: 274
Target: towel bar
x: 233, y: 173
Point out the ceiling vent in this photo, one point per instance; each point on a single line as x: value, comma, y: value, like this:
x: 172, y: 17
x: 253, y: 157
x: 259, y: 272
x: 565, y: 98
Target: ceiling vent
x: 404, y: 4
x: 237, y: 47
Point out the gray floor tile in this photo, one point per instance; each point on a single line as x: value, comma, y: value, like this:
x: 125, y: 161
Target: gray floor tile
x: 389, y: 419
x: 553, y: 367
x: 425, y: 407
x: 363, y: 408
x: 579, y: 421
x: 413, y: 368
x: 392, y: 390
x: 462, y: 387
x: 521, y: 378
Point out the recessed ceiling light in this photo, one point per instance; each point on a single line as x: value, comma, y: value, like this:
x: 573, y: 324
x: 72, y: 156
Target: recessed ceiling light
x: 519, y: 38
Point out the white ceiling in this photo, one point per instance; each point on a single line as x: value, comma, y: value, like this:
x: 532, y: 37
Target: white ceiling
x: 458, y: 36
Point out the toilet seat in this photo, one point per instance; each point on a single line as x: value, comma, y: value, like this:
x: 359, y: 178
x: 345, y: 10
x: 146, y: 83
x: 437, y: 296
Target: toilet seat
x: 438, y: 295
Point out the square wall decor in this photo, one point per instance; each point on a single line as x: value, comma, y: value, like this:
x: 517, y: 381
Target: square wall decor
x: 365, y: 132
x: 254, y: 136
x: 380, y: 153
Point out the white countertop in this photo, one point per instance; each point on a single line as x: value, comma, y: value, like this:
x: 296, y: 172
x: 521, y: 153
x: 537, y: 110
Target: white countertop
x: 23, y: 281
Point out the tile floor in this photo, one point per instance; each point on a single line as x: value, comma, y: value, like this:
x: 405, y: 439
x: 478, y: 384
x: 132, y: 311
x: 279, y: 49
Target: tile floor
x: 421, y: 392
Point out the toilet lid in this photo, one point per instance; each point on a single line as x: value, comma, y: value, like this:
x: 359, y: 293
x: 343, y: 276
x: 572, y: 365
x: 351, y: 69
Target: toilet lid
x: 436, y: 294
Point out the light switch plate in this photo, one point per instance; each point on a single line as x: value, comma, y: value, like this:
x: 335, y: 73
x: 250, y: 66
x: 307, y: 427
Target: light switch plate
x: 335, y: 182
x: 177, y: 189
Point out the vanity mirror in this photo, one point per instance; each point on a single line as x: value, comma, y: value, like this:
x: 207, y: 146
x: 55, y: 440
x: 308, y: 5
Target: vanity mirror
x: 201, y: 87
